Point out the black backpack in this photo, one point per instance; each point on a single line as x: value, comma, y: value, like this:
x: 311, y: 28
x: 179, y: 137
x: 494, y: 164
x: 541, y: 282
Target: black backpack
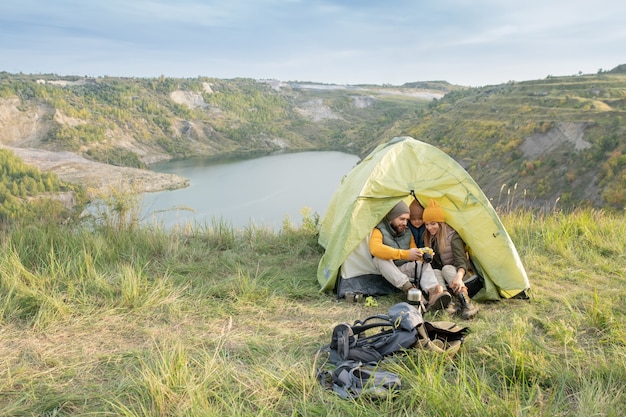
x: 375, y: 337
x: 357, y: 349
x: 378, y: 336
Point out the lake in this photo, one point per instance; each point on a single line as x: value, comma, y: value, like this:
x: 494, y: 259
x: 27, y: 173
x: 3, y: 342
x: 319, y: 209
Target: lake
x: 262, y: 192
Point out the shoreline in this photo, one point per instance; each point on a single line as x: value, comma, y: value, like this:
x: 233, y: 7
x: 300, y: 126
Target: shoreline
x: 99, y: 178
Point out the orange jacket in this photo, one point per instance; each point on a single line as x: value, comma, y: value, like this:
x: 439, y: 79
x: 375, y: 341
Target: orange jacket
x: 382, y: 251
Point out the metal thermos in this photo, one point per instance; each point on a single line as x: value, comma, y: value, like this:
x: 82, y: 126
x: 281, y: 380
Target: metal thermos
x: 414, y: 296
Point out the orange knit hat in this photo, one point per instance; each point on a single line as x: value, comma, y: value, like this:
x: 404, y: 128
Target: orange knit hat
x: 433, y: 213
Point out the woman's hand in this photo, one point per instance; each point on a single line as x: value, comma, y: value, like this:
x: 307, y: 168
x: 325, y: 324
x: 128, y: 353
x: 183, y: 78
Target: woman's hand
x: 457, y: 284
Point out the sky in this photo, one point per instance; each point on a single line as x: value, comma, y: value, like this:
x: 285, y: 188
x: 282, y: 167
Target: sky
x: 464, y: 42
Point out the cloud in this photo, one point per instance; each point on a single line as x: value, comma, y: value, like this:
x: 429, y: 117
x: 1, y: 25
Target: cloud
x: 349, y: 42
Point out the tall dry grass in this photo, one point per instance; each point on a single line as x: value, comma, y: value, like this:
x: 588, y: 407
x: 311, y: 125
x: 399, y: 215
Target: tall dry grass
x: 112, y: 318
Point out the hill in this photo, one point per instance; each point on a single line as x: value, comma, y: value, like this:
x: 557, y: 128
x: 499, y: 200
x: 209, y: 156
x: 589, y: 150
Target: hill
x: 559, y: 139
x: 134, y: 122
x: 537, y: 143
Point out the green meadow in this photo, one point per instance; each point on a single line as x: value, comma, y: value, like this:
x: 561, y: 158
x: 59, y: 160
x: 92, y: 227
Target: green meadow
x: 104, y: 316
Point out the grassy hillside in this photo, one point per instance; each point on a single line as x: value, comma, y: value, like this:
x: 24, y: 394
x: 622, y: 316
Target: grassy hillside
x: 105, y: 317
x: 560, y: 141
x: 515, y: 135
x: 127, y: 121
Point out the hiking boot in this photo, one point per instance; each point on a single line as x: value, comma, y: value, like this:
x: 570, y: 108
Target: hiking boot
x: 407, y: 286
x: 453, y: 308
x: 438, y: 299
x: 466, y: 309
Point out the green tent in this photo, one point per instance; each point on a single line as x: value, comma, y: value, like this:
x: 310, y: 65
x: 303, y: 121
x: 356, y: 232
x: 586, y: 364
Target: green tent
x: 391, y: 173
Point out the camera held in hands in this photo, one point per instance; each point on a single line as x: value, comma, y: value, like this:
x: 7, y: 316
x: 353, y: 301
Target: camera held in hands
x: 427, y: 254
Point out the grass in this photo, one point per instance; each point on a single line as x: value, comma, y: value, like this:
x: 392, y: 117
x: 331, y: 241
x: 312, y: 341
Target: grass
x: 114, y: 319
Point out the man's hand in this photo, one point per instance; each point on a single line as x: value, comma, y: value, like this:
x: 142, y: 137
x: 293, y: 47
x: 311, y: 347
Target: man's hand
x: 415, y: 254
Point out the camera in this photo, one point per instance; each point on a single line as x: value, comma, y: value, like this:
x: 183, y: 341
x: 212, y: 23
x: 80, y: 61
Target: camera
x: 427, y: 254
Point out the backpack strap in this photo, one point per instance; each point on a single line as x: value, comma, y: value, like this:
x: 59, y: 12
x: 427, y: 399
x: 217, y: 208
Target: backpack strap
x: 342, y: 340
x: 380, y: 319
x: 352, y: 379
x: 384, y: 321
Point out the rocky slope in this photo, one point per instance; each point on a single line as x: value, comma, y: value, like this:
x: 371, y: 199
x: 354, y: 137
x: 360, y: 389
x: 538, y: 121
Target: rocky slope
x: 23, y: 127
x: 81, y: 123
x: 97, y: 177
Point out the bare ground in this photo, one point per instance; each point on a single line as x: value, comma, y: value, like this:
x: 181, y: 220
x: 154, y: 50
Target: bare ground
x: 97, y: 177
x: 23, y: 127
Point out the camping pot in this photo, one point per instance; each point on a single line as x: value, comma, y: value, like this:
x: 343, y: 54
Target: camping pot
x: 414, y: 296
x: 354, y: 297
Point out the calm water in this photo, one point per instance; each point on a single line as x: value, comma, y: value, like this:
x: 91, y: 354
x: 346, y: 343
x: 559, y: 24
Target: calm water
x: 261, y: 192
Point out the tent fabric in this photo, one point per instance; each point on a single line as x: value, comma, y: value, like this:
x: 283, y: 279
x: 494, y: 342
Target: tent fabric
x: 389, y: 174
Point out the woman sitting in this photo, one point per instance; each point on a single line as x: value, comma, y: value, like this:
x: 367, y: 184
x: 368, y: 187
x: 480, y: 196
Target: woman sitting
x: 450, y: 261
